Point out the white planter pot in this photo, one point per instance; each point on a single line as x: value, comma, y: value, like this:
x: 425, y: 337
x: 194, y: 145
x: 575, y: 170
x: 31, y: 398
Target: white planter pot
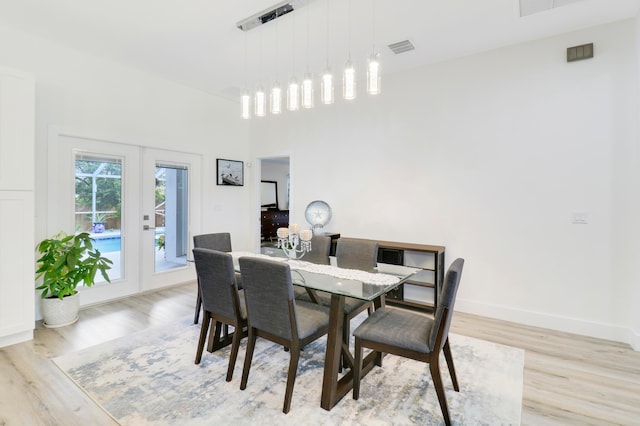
x: 58, y: 313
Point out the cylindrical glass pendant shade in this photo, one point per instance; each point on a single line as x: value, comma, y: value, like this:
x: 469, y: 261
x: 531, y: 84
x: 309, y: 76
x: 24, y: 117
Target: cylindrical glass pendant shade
x: 373, y: 74
x: 326, y: 87
x: 293, y: 95
x: 307, y: 91
x: 276, y: 99
x: 349, y: 81
x: 246, y: 104
x: 260, y: 102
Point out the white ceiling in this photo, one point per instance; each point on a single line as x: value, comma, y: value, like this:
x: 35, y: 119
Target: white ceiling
x: 196, y: 42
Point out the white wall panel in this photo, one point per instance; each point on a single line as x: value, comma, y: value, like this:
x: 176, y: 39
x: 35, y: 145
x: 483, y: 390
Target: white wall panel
x: 16, y: 206
x: 17, y: 103
x: 16, y: 263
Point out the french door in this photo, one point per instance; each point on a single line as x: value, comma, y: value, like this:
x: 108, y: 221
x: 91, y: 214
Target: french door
x: 139, y: 204
x: 169, y: 210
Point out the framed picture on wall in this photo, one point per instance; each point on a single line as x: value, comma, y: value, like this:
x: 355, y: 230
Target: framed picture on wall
x: 230, y: 172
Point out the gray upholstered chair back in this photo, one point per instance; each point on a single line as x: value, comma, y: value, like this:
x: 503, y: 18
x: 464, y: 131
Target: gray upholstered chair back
x: 217, y: 281
x: 446, y: 300
x: 320, y: 247
x: 268, y: 290
x: 220, y: 241
x: 353, y: 253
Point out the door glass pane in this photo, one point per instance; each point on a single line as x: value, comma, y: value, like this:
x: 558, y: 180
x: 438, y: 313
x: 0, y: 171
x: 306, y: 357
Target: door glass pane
x: 171, y: 213
x: 98, y: 203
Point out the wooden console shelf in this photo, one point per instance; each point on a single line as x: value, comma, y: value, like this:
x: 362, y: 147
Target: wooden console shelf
x: 415, y: 293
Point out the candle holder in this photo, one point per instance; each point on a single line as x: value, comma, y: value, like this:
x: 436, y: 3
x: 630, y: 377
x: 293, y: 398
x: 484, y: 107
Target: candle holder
x: 293, y: 241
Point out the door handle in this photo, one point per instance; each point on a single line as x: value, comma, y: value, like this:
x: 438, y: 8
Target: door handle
x: 147, y: 227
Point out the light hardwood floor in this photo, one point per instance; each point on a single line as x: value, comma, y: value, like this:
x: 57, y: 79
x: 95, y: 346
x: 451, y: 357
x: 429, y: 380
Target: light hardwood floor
x: 568, y: 379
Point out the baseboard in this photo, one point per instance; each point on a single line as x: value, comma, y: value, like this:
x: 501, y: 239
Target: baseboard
x: 16, y: 338
x: 554, y: 322
x: 634, y: 339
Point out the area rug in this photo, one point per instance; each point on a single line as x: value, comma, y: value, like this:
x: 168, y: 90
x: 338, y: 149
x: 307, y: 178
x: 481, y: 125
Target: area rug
x: 150, y: 378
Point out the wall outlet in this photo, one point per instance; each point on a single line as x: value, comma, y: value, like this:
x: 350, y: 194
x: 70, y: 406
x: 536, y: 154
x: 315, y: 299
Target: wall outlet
x: 580, y: 218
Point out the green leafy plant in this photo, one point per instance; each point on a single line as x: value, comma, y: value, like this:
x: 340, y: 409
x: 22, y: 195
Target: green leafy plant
x: 68, y: 261
x: 102, y: 217
x: 160, y: 242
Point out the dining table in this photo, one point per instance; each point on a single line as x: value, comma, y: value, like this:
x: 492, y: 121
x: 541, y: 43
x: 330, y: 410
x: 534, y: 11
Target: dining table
x: 340, y: 283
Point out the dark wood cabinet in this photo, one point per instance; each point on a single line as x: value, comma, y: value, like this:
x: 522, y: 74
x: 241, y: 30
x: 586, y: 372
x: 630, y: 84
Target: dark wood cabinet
x: 270, y: 221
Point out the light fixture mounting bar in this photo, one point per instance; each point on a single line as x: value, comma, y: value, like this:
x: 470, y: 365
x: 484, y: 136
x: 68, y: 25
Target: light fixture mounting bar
x: 271, y: 13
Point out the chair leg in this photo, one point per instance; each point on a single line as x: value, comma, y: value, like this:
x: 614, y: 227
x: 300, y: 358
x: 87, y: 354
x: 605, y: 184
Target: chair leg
x: 196, y: 316
x: 291, y: 378
x: 251, y: 344
x: 452, y: 369
x: 203, y: 336
x: 434, y: 367
x: 235, y: 345
x: 357, y: 369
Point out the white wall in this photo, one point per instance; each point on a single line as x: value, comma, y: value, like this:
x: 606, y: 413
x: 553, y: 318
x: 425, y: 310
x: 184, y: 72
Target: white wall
x: 95, y: 96
x: 489, y: 155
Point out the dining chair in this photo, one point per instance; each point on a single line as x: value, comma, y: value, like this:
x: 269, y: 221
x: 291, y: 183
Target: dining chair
x: 413, y: 335
x: 274, y: 314
x: 220, y: 241
x: 320, y: 248
x: 319, y: 254
x: 223, y: 304
x: 353, y: 253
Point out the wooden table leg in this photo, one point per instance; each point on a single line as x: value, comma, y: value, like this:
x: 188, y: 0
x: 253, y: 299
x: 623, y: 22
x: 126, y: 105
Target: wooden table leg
x: 332, y: 357
x: 333, y: 387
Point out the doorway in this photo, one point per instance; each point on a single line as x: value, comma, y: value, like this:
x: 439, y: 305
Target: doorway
x: 275, y: 197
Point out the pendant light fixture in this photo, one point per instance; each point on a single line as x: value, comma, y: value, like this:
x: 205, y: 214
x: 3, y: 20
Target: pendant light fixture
x: 293, y: 91
x: 307, y: 91
x: 245, y: 99
x: 301, y: 93
x: 307, y: 79
x: 373, y: 65
x: 349, y: 75
x: 373, y: 74
x: 276, y: 90
x: 276, y: 99
x: 246, y: 104
x: 326, y: 83
x: 260, y: 102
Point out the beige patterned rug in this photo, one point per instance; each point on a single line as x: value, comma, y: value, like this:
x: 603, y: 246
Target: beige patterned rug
x: 149, y: 378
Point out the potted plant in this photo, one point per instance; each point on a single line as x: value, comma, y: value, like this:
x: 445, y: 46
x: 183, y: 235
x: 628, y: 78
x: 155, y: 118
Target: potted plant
x: 67, y: 261
x: 99, y: 224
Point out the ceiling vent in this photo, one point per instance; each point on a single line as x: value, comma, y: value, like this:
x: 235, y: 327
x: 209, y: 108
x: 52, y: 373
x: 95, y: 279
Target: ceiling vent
x: 270, y: 14
x: 401, y: 47
x: 529, y: 7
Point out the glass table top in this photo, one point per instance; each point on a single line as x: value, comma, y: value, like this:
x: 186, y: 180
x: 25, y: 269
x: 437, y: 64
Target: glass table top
x: 348, y: 282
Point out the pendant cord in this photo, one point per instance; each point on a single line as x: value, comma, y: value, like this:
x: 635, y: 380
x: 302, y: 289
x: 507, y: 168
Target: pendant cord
x: 327, y: 33
x: 349, y: 35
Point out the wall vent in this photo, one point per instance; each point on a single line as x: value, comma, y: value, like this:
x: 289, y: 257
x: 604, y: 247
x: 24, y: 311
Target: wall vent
x: 577, y: 53
x: 401, y: 47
